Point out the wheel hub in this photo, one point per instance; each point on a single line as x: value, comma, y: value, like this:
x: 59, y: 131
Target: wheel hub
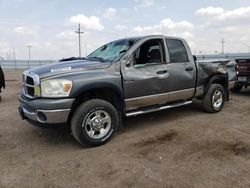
x: 97, y: 124
x: 217, y: 99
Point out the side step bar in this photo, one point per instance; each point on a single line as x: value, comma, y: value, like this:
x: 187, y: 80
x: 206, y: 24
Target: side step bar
x: 135, y: 113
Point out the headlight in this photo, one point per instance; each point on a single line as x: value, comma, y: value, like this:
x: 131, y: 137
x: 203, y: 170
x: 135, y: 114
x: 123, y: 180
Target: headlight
x: 56, y: 88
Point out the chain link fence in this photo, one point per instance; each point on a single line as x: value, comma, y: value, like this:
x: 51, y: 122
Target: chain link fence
x: 23, y: 64
x: 232, y: 56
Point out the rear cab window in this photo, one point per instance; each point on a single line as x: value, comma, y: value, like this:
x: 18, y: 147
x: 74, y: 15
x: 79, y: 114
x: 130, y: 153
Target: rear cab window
x: 177, y: 51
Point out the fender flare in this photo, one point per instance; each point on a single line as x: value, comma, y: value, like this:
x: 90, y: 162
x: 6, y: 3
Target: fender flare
x: 99, y: 85
x: 220, y: 79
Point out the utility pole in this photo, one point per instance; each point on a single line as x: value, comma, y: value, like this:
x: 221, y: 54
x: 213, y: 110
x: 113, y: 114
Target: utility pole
x: 14, y: 54
x: 29, y: 47
x: 10, y: 55
x: 222, y: 45
x: 79, y: 38
x: 86, y: 49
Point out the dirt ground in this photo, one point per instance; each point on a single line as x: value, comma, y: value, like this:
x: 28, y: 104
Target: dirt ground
x: 182, y: 147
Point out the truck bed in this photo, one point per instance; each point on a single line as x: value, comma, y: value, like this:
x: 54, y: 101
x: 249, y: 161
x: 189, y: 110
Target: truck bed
x: 208, y: 68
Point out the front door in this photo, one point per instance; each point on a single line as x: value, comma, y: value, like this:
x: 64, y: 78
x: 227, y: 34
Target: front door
x: 145, y: 74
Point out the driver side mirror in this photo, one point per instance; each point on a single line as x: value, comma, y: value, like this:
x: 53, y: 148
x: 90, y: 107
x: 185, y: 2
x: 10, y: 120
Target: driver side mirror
x: 130, y: 61
x: 195, y: 58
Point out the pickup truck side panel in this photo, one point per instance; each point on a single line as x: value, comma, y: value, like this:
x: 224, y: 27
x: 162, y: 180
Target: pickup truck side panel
x: 139, y: 80
x: 169, y: 81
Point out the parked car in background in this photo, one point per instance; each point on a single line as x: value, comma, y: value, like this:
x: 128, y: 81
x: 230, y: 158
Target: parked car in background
x: 2, y: 81
x: 243, y: 74
x: 127, y: 77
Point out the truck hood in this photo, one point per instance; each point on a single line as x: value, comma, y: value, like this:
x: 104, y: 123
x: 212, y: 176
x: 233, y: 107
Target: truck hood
x: 59, y: 68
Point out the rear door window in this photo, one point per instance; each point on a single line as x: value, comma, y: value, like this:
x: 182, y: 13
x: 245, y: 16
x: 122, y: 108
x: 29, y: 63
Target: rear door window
x: 177, y: 51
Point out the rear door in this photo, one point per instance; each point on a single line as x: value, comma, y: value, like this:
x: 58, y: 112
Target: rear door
x: 182, y: 70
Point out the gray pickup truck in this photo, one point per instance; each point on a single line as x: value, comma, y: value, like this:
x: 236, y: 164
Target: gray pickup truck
x: 126, y: 77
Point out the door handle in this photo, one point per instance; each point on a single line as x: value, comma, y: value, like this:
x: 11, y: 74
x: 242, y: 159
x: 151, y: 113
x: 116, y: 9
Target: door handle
x: 189, y: 69
x: 129, y: 80
x: 162, y: 72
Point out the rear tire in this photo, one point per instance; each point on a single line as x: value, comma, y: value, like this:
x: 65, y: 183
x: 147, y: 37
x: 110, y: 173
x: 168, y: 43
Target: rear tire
x: 237, y: 88
x: 94, y: 122
x: 214, y: 99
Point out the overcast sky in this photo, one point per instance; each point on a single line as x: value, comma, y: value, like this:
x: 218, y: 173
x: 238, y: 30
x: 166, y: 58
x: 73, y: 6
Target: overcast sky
x: 49, y: 25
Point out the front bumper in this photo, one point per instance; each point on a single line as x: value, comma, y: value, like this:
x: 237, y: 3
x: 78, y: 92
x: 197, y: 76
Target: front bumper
x: 45, y: 111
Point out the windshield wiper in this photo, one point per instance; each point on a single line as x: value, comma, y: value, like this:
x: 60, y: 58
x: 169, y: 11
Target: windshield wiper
x: 123, y: 51
x: 72, y: 59
x: 96, y: 58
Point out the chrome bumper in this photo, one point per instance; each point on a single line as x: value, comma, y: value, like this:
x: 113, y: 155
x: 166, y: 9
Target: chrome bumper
x: 45, y: 111
x: 45, y: 116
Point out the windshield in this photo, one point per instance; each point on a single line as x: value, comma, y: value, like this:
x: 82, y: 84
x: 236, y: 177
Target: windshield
x: 112, y: 51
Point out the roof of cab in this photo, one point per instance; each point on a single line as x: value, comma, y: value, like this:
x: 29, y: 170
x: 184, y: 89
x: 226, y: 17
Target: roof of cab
x: 149, y: 37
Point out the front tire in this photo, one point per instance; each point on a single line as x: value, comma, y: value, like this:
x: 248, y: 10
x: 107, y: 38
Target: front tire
x: 214, y: 99
x: 94, y: 122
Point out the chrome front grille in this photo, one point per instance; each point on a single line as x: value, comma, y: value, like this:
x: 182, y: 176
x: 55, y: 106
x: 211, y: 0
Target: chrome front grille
x: 29, y: 80
x: 31, y: 85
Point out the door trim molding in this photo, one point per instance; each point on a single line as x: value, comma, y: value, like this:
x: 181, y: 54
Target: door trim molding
x: 162, y: 98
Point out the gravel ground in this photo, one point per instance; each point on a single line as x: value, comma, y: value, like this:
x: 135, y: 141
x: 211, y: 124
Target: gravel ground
x: 182, y: 147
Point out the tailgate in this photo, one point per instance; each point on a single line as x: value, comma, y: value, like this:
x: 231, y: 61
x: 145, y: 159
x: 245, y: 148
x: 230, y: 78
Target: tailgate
x: 243, y: 67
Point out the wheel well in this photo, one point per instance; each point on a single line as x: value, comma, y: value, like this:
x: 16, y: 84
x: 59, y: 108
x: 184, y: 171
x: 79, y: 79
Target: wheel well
x: 107, y: 94
x: 219, y: 79
x: 221, y: 82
